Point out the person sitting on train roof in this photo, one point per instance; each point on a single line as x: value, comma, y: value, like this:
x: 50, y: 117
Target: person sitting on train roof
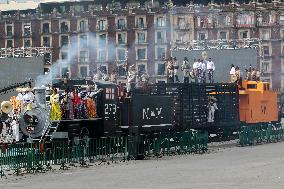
x: 253, y: 74
x: 257, y: 75
x: 248, y: 75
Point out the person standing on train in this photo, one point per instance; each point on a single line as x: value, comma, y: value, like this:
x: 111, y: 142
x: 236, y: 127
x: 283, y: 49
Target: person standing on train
x: 203, y: 71
x: 185, y: 68
x: 232, y: 74
x: 176, y: 67
x: 210, y: 70
x: 195, y: 69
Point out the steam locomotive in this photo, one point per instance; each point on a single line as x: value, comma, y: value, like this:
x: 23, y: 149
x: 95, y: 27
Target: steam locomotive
x: 155, y: 108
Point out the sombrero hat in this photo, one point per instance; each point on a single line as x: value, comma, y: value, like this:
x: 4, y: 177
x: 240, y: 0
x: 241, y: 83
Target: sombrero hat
x: 27, y: 89
x: 212, y: 98
x: 19, y: 90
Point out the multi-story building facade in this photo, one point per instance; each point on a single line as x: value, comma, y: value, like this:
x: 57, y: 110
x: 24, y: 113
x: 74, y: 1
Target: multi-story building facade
x: 88, y: 36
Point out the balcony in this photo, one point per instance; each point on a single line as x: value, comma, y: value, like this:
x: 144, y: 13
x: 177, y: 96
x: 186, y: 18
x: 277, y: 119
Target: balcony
x: 120, y: 27
x: 102, y: 28
x: 161, y: 41
x: 140, y: 26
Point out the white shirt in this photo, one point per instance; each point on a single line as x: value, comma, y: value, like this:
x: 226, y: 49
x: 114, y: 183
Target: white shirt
x: 199, y: 65
x: 195, y: 65
x: 210, y: 65
x: 203, y: 66
x: 28, y: 97
x: 233, y: 71
x: 19, y: 97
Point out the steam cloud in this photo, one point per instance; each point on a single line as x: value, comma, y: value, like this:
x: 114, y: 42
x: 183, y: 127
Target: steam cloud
x: 92, y: 43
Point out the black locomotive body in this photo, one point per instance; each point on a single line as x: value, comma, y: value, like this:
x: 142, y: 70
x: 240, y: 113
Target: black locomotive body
x: 158, y: 107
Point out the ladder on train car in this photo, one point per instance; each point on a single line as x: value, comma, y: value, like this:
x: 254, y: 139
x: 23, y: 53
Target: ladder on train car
x: 49, y: 128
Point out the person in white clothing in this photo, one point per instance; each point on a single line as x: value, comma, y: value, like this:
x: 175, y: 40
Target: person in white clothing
x: 195, y: 69
x: 232, y: 74
x: 186, y: 70
x: 203, y: 71
x: 210, y: 70
x: 212, y: 106
x: 176, y: 67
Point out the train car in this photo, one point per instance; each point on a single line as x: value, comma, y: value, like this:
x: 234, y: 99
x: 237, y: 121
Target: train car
x: 258, y: 104
x: 155, y: 108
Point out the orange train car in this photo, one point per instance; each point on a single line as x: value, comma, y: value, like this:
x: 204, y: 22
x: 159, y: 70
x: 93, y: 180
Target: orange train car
x: 257, y: 103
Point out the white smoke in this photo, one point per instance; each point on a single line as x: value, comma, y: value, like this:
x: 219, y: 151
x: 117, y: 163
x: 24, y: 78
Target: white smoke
x: 73, y: 50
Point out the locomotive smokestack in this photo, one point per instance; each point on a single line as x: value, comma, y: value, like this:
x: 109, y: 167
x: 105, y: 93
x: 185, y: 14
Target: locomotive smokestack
x: 40, y: 96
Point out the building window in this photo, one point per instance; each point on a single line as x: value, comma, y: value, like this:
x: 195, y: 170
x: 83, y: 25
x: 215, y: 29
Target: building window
x: 141, y: 37
x: 103, y: 69
x: 121, y: 38
x: 83, y: 26
x: 121, y: 54
x: 45, y: 28
x: 47, y: 58
x: 27, y: 43
x: 141, y: 54
x: 181, y: 23
x: 202, y: 36
x: 161, y: 53
x: 266, y: 67
x: 46, y: 41
x: 102, y: 25
x: 64, y: 40
x: 102, y: 39
x: 121, y: 71
x: 64, y: 28
x: 245, y: 20
x: 282, y: 33
x: 83, y: 41
x: 9, y: 43
x: 27, y: 29
x: 121, y: 24
x: 83, y: 56
x: 160, y: 37
x: 161, y: 69
x: 64, y: 56
x: 223, y: 35
x: 265, y: 34
x: 141, y: 69
x: 244, y: 35
x: 45, y: 71
x: 83, y: 71
x: 266, y: 51
x: 140, y: 22
x: 64, y: 72
x: 9, y: 30
x: 161, y: 21
x: 102, y: 55
x: 110, y: 93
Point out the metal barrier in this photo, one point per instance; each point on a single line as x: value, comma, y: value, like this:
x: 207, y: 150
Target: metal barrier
x: 257, y: 134
x: 38, y: 157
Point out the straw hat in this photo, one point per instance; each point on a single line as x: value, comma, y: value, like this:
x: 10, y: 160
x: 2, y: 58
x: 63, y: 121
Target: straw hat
x: 212, y: 98
x: 27, y: 89
x: 19, y: 90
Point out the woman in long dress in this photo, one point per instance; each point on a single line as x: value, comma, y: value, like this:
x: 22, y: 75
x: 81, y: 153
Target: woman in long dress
x: 56, y: 113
